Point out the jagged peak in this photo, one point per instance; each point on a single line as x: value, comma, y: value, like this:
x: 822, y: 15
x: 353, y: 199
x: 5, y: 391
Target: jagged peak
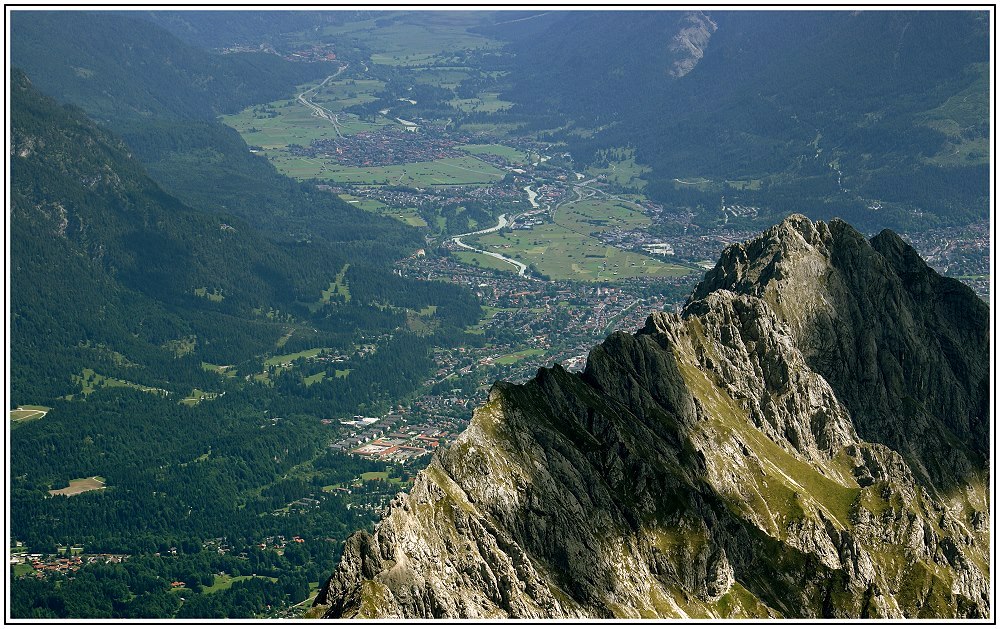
x: 713, y: 452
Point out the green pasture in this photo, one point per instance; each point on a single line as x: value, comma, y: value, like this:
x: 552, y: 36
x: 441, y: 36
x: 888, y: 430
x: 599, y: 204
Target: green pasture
x: 483, y: 261
x: 410, y: 216
x: 446, y: 77
x: 337, y: 287
x: 224, y: 582
x: 621, y: 169
x: 313, y: 379
x: 518, y: 356
x: 591, y: 216
x: 197, y: 396
x: 295, y: 124
x: 962, y: 111
x: 448, y: 171
x: 287, y: 358
x: 415, y: 39
x: 511, y: 154
x: 222, y: 370
x: 561, y: 253
x: 89, y: 381
x: 488, y: 102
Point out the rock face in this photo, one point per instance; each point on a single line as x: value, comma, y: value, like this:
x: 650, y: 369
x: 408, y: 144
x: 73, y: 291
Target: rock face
x: 808, y: 438
x: 688, y: 45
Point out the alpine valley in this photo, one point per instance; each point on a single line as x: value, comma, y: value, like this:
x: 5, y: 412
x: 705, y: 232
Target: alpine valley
x: 368, y: 313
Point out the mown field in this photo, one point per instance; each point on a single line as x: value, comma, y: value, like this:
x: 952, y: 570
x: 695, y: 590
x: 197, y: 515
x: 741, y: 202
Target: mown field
x: 509, y: 153
x: 410, y: 216
x: 423, y: 36
x: 447, y: 172
x: 79, y: 486
x: 569, y: 249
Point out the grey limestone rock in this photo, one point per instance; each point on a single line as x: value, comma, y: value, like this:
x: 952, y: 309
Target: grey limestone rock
x: 806, y: 439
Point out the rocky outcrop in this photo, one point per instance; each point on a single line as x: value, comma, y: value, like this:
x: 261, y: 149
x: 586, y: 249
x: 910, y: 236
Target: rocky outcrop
x: 707, y: 466
x: 688, y: 46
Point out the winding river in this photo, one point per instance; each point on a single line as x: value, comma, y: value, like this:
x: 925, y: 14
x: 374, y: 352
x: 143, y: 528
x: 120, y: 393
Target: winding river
x: 501, y: 223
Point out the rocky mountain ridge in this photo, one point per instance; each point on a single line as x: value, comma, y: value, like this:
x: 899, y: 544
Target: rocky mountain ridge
x: 740, y: 459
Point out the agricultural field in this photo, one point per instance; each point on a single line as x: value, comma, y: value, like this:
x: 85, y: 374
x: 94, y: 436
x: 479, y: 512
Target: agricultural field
x: 313, y: 379
x: 487, y: 102
x: 511, y: 154
x: 277, y: 125
x: 592, y: 216
x: 621, y: 169
x: 287, y: 358
x: 224, y: 582
x: 450, y: 171
x: 483, y: 261
x: 79, y: 486
x: 222, y: 370
x: 510, y: 359
x: 403, y: 215
x: 340, y: 94
x: 423, y: 36
x: 197, y: 396
x: 446, y: 77
x: 568, y: 248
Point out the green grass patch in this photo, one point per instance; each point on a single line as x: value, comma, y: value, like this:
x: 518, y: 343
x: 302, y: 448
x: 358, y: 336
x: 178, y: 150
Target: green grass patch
x: 293, y: 123
x: 313, y: 379
x: 287, y: 358
x: 512, y: 155
x: 487, y: 102
x: 89, y: 381
x: 560, y: 253
x: 224, y: 582
x: 784, y: 485
x: 591, y: 216
x: 197, y: 396
x: 215, y: 294
x: 963, y: 119
x: 22, y: 570
x: 745, y: 184
x: 483, y: 261
x: 618, y: 165
x: 568, y: 248
x: 222, y: 370
x: 413, y: 39
x: 337, y: 287
x: 410, y: 216
x: 442, y: 172
x: 341, y: 373
x: 518, y: 356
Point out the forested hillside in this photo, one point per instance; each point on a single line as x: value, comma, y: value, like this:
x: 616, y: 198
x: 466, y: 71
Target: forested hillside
x: 118, y: 65
x: 841, y: 108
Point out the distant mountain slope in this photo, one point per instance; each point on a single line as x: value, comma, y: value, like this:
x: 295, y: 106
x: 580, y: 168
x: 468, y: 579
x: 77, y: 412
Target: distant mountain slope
x: 214, y: 29
x: 833, y: 105
x: 101, y: 254
x: 162, y: 95
x: 117, y: 65
x: 704, y: 467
